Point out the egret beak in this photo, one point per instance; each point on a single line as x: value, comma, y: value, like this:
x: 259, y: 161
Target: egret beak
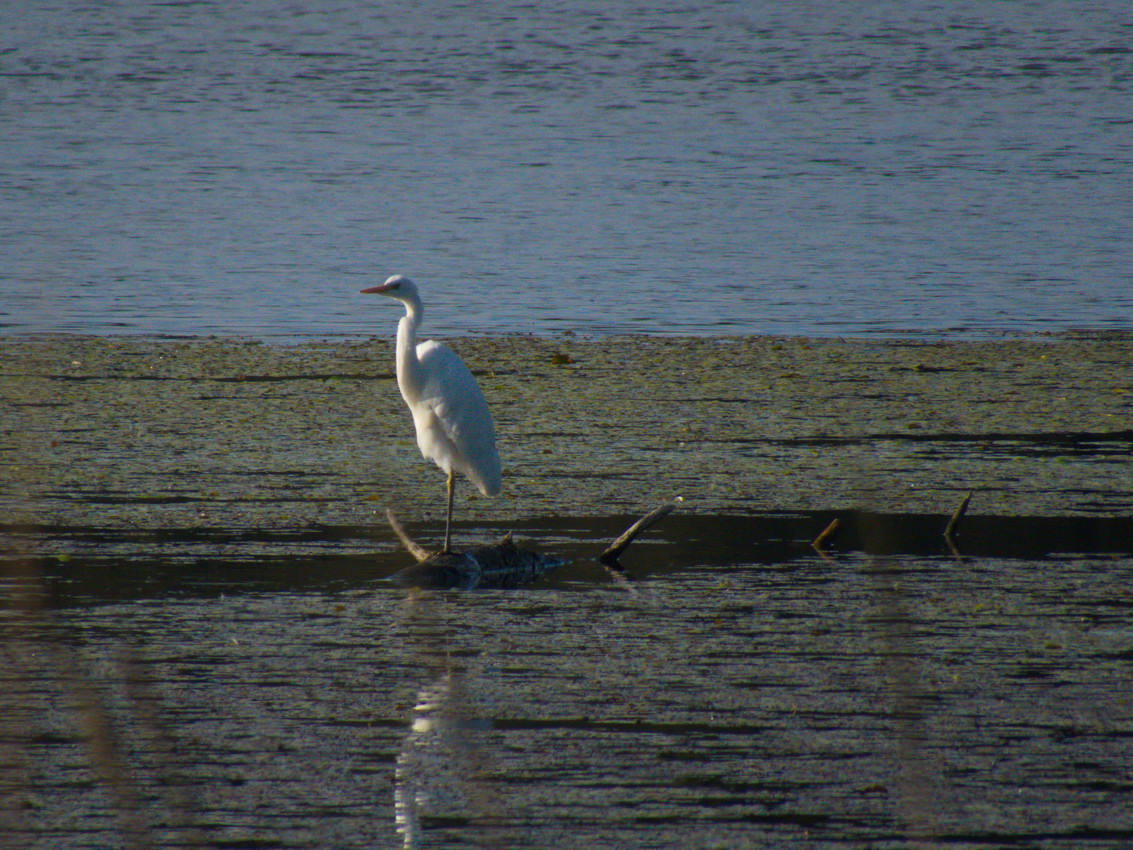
x: 379, y: 289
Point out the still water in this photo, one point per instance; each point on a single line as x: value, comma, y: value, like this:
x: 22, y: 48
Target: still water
x: 812, y: 168
x: 741, y: 691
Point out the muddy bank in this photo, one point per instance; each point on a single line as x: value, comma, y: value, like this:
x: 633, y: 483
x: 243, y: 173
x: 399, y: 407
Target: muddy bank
x: 151, y: 433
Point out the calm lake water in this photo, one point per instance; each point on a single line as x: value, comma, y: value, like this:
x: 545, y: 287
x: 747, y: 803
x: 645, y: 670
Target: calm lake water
x: 818, y: 169
x: 743, y: 691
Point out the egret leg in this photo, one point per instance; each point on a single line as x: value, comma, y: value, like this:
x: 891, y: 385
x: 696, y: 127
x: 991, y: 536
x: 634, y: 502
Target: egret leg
x: 448, y: 521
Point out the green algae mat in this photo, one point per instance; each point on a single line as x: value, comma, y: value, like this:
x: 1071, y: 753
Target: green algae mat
x: 132, y: 432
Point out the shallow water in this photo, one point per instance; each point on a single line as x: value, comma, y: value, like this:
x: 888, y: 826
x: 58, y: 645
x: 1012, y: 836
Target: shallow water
x: 200, y: 647
x: 196, y: 167
x: 742, y: 690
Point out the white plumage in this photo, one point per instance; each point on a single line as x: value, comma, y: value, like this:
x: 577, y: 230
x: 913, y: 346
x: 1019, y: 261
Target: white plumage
x: 454, y: 426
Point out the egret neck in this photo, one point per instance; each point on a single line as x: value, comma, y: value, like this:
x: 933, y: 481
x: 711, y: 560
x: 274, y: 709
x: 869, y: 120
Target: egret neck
x: 409, y: 374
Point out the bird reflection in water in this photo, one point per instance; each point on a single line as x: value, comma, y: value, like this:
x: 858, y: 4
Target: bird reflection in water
x: 441, y: 771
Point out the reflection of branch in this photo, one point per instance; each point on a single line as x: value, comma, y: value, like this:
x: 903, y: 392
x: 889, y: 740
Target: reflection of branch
x: 107, y: 758
x: 907, y: 691
x: 103, y: 713
x: 181, y: 803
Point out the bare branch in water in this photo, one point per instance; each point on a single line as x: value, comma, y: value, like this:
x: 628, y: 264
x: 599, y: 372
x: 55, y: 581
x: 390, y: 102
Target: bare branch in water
x: 827, y: 534
x: 610, y: 556
x: 957, y: 515
x: 416, y: 551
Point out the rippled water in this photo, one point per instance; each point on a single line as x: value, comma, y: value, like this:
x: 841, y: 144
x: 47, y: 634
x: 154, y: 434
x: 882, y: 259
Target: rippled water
x: 742, y: 691
x: 244, y: 168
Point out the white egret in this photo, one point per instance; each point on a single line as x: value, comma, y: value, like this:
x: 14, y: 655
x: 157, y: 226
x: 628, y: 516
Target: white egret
x: 454, y: 427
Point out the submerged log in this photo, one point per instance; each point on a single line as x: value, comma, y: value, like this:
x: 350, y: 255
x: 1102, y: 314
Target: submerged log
x: 500, y: 564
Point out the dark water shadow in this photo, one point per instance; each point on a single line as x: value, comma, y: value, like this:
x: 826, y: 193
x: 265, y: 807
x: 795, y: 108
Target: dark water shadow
x: 111, y: 566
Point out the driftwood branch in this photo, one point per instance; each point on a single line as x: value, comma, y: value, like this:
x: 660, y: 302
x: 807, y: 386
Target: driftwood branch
x: 827, y: 534
x: 957, y: 515
x: 610, y: 556
x: 501, y: 564
x: 954, y: 523
x: 418, y: 552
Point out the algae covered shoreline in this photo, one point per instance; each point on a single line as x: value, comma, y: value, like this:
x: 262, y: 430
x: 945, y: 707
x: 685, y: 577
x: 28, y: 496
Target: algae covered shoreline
x: 201, y: 433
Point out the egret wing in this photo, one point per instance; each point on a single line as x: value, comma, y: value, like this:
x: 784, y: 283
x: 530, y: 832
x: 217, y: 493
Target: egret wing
x: 461, y: 413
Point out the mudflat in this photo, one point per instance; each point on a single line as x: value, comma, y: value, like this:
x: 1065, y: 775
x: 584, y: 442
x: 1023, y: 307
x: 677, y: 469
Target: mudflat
x: 157, y: 432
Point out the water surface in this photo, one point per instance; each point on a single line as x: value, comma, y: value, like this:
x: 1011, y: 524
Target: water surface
x: 201, y: 167
x: 742, y: 691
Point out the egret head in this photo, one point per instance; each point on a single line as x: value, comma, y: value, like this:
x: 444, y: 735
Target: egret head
x: 396, y: 286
